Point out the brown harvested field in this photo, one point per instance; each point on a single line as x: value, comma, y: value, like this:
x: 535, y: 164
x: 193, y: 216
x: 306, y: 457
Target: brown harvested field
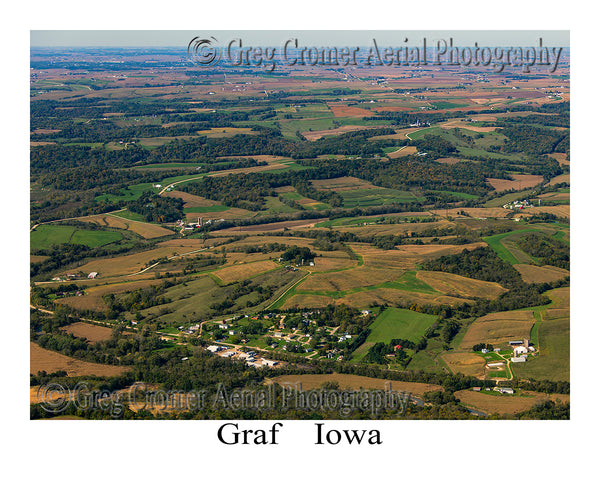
x: 225, y: 132
x: 394, y: 296
x: 499, y: 328
x: 363, y: 276
x: 467, y: 363
x: 266, y: 227
x: 235, y: 258
x: 558, y: 210
x: 225, y: 214
x: 258, y: 158
x: 146, y: 230
x: 560, y: 296
x: 243, y: 271
x: 341, y: 110
x: 458, y: 286
x: 518, y: 182
x: 561, y: 179
x: 406, y: 257
x: 354, y: 382
x: 332, y: 261
x: 466, y: 126
x: 393, y: 228
x: 260, y: 168
x: 93, y: 333
x: 41, y: 359
x: 129, y: 264
x: 392, y: 109
x: 316, y: 134
x: 92, y: 299
x: 403, y: 152
x: 561, y: 158
x: 258, y: 240
x: 535, y: 274
x: 555, y: 196
x: 449, y: 160
x: 400, y: 134
x: 506, y: 404
x: 40, y: 144
x: 304, y: 300
x: 341, y: 184
x: 189, y: 200
x: 37, y: 258
x: 492, y: 212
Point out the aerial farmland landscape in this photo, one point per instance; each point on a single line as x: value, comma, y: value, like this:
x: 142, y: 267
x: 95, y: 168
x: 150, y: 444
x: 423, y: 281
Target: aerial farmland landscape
x: 335, y: 228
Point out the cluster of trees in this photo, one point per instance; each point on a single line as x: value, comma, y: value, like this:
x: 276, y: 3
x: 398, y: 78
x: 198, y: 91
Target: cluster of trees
x: 534, y: 140
x: 155, y: 208
x: 298, y: 255
x: 547, y: 250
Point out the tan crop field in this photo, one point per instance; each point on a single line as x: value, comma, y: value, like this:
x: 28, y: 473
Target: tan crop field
x: 406, y: 257
x: 341, y: 110
x: 243, y: 271
x: 518, y: 182
x: 354, y: 382
x: 535, y: 274
x: 394, y: 296
x: 363, y: 276
x: 92, y: 299
x: 37, y: 258
x: 466, y: 126
x: 506, y: 404
x: 566, y: 178
x: 93, y: 333
x: 499, y: 328
x: 129, y: 264
x: 393, y: 228
x: 341, y: 184
x: 221, y: 132
x: 311, y: 136
x: 189, y: 200
x: 561, y: 158
x: 449, y: 160
x: 558, y: 210
x: 266, y: 227
x: 493, y: 212
x: 146, y: 230
x: 304, y: 300
x: 332, y: 261
x: 458, y: 286
x: 560, y: 296
x: 41, y: 359
x: 467, y: 363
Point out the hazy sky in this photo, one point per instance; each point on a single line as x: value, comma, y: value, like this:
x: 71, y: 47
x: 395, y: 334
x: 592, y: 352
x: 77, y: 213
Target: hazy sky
x: 181, y: 38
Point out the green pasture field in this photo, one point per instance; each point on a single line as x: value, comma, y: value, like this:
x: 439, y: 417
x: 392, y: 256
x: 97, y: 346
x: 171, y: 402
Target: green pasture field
x: 400, y: 323
x: 443, y: 105
x: 552, y: 363
x: 367, y: 197
x: 211, y: 208
x: 129, y: 215
x: 45, y: 236
x: 495, y: 242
